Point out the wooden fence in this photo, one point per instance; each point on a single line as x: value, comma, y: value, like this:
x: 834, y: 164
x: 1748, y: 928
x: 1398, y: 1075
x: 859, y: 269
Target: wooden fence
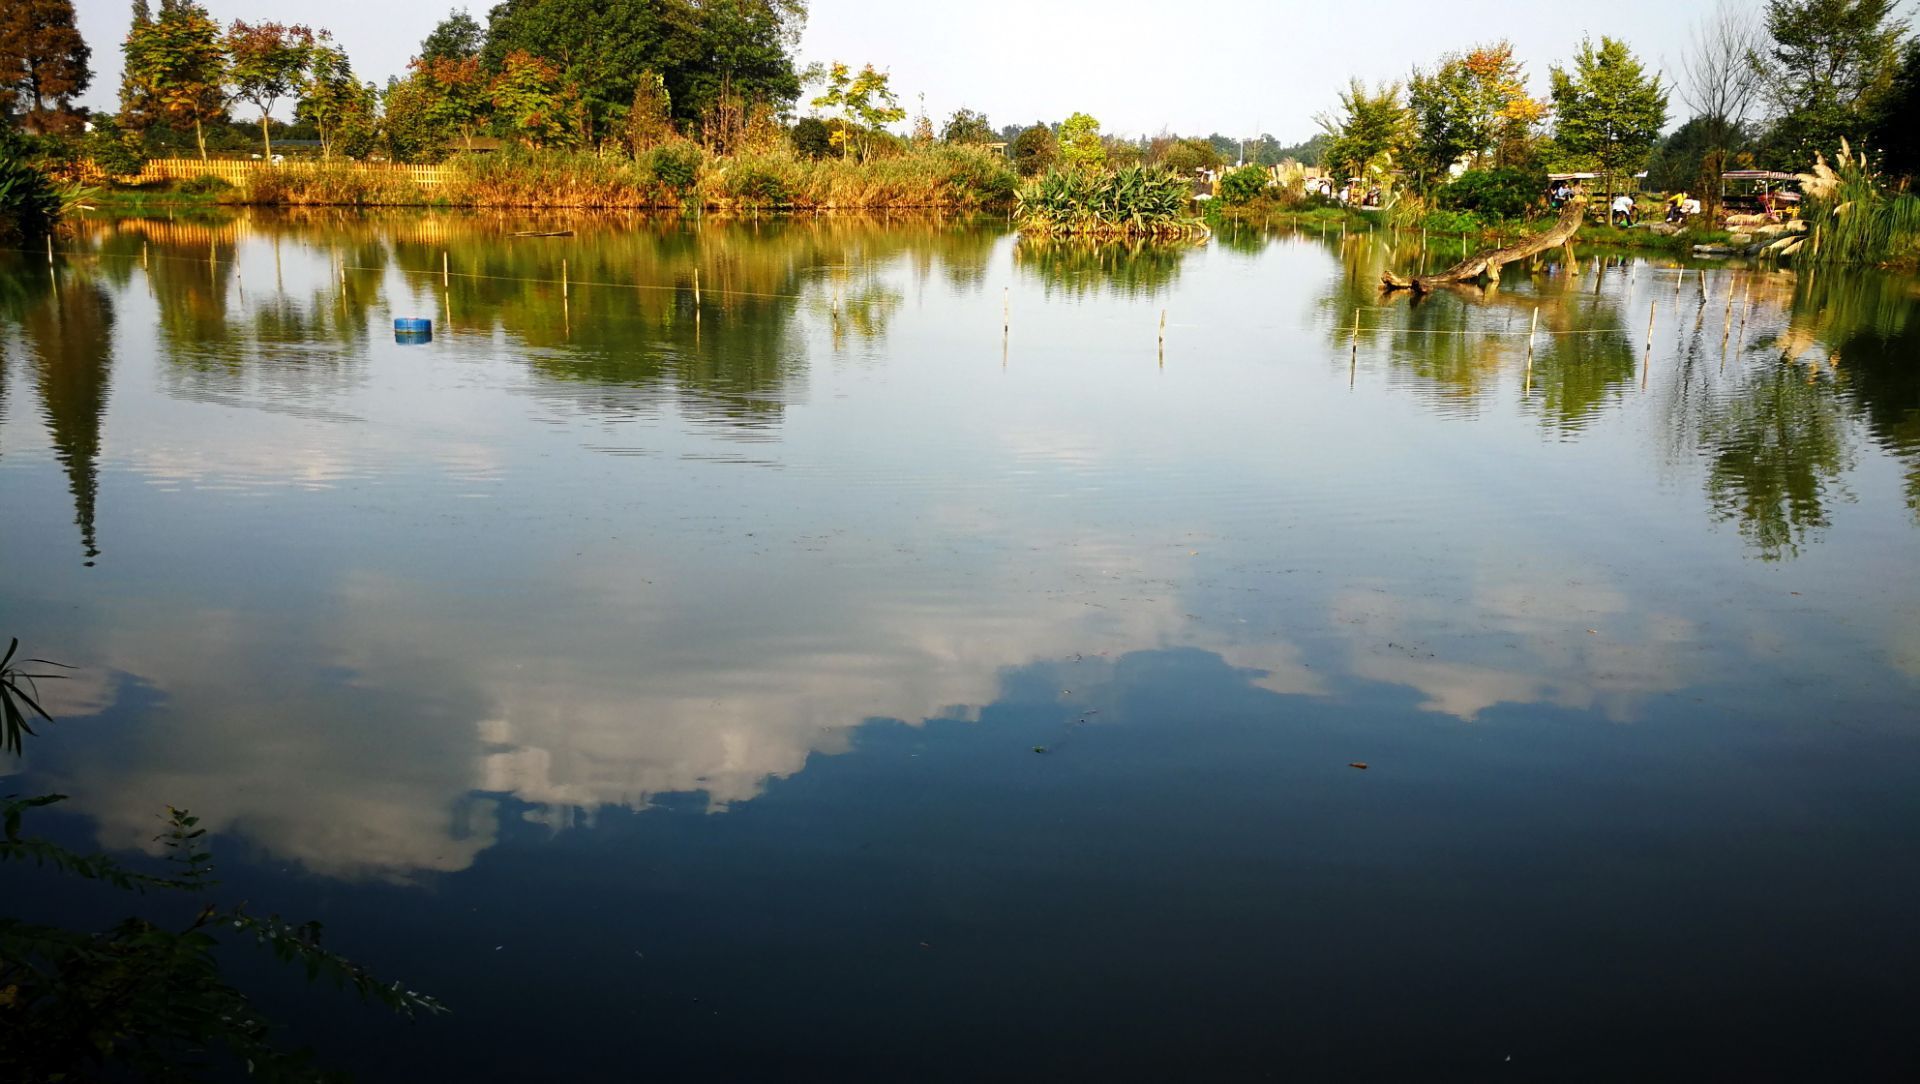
x: 236, y: 172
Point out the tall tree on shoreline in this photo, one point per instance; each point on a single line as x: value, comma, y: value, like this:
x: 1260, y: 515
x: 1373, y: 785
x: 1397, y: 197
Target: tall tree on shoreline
x: 265, y: 63
x: 1896, y: 136
x: 1080, y: 146
x: 456, y: 37
x: 1369, y: 132
x: 334, y: 100
x: 967, y: 126
x: 1608, y: 111
x: 532, y: 99
x: 864, y: 101
x: 704, y: 50
x: 1828, y: 67
x: 43, y: 63
x: 1720, y: 84
x: 1473, y: 106
x: 175, y: 68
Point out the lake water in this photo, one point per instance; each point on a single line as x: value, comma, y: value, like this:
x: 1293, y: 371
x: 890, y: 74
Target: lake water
x: 860, y: 649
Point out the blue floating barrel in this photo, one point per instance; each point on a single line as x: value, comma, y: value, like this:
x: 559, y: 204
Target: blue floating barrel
x: 412, y: 329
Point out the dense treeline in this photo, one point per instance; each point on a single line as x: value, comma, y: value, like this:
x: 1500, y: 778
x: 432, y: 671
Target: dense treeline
x: 677, y: 87
x: 1780, y: 88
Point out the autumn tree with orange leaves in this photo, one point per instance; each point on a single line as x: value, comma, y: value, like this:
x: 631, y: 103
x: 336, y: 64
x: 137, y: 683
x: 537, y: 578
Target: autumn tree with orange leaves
x: 43, y: 63
x: 1472, y: 108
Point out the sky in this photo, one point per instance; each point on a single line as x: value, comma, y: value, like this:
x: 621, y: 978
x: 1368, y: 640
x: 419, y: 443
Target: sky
x: 1236, y: 66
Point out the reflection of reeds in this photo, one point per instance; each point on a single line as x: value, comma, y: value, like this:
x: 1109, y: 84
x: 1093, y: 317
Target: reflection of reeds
x: 1080, y: 265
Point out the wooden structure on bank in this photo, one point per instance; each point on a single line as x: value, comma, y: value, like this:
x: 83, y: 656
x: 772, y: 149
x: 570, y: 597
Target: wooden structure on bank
x: 236, y: 171
x: 1486, y: 265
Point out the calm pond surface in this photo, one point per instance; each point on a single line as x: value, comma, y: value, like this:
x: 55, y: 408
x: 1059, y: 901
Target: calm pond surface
x: 656, y: 667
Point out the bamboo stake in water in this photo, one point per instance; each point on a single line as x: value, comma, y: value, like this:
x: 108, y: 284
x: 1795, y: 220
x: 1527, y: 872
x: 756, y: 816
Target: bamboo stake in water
x: 446, y: 277
x: 143, y: 256
x: 1531, y: 332
x: 1163, y: 326
x: 1353, y: 359
x: 696, y: 289
x: 1646, y: 363
x: 49, y: 250
x: 1727, y: 332
x: 1006, y: 309
x: 564, y: 291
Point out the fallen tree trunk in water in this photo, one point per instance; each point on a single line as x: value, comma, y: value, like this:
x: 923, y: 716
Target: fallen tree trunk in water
x: 1487, y: 264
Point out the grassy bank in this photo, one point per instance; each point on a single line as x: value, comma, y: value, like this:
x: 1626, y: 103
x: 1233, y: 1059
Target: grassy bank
x: 679, y: 176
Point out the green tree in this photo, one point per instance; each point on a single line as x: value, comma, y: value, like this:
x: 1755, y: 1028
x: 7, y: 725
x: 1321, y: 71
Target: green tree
x: 456, y: 37
x: 1080, y: 146
x: 1608, y: 111
x: 339, y: 106
x: 1034, y: 149
x: 1895, y: 133
x: 407, y: 108
x: 1473, y: 106
x: 458, y: 95
x: 1694, y: 156
x: 1369, y: 132
x: 1186, y: 155
x: 1829, y: 65
x: 530, y: 99
x: 742, y: 57
x: 112, y: 148
x: 1244, y: 185
x: 967, y: 126
x: 265, y: 63
x: 812, y: 138
x: 43, y: 62
x: 175, y: 68
x: 705, y: 51
x: 864, y: 101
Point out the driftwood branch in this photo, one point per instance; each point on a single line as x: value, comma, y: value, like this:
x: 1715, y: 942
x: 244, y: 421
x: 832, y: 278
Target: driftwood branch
x: 1487, y: 264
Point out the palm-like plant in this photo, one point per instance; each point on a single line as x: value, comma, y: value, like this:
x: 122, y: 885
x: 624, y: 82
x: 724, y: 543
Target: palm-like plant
x: 14, y: 686
x: 1135, y: 201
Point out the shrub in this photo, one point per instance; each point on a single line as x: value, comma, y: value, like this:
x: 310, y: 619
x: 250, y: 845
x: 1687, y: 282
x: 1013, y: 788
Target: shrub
x: 1454, y: 222
x: 1034, y: 151
x: 1495, y: 193
x: 205, y: 185
x: 758, y: 181
x: 675, y: 165
x: 1188, y: 155
x: 812, y: 138
x: 1243, y: 185
x: 29, y: 205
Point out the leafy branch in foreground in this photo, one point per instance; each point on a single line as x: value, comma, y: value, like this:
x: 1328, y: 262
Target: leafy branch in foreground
x: 142, y: 998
